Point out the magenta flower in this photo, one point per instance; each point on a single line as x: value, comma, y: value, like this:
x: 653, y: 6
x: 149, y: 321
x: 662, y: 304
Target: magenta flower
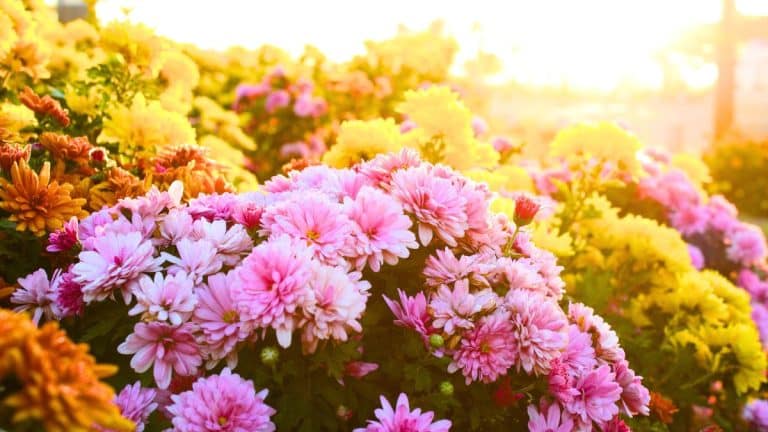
x: 539, y: 329
x: 136, y: 403
x: 69, y: 295
x: 65, y: 238
x: 277, y: 99
x: 221, y: 403
x: 170, y: 298
x: 401, y: 419
x: 116, y: 261
x: 560, y: 381
x: 304, y: 105
x: 690, y: 220
x: 411, y: 313
x: 439, y: 208
x: 334, y: 306
x: 748, y: 245
x: 217, y: 316
x: 154, y: 202
x: 487, y: 351
x: 444, y: 268
x: 248, y: 214
x: 634, y: 396
x: 697, y: 258
x: 315, y: 221
x: 456, y: 309
x: 579, y: 356
x: 168, y: 348
x: 197, y: 258
x: 598, y: 393
x: 756, y: 415
x: 36, y: 293
x: 549, y: 418
x: 273, y: 285
x: 383, y: 231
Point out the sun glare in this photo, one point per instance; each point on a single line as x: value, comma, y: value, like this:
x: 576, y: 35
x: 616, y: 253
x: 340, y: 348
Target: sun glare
x: 597, y: 45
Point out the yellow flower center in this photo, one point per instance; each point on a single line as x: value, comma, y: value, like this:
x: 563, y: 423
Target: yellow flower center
x: 222, y: 421
x: 312, y: 235
x: 230, y: 317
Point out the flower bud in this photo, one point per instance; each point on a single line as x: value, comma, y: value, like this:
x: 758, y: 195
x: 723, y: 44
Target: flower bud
x: 525, y: 209
x: 269, y: 356
x: 446, y: 388
x: 436, y: 341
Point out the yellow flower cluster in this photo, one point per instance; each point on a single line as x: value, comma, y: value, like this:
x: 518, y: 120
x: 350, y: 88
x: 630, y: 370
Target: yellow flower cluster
x: 60, y: 381
x: 604, y: 142
x: 443, y: 130
x: 362, y: 140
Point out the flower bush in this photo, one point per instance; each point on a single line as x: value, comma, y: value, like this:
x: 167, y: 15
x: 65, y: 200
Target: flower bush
x: 737, y: 166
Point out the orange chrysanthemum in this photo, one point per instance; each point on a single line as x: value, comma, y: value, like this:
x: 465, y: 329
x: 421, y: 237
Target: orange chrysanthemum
x: 118, y: 183
x: 299, y: 164
x: 66, y: 147
x: 11, y: 153
x: 191, y: 165
x: 45, y: 105
x: 662, y: 407
x: 35, y: 202
x: 60, y: 384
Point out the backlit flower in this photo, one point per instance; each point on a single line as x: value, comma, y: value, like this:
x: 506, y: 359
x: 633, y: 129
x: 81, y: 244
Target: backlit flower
x: 37, y: 293
x: 400, y: 418
x: 165, y: 298
x: 486, y: 352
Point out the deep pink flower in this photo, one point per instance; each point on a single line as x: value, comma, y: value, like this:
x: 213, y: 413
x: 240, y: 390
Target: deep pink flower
x: 69, y: 295
x: 304, y: 105
x: 168, y: 348
x: 165, y: 298
x: 217, y: 316
x: 248, y: 214
x: 214, y: 206
x: 136, y: 403
x: 65, y: 238
x: 221, y: 403
x: 38, y: 294
x: 747, y: 245
x: 598, y: 394
x: 116, y: 261
x: 560, y: 381
x: 486, y: 352
x: 634, y: 396
x: 383, y: 231
x: 277, y: 99
x: 455, y: 309
x: 549, y: 418
x: 437, y: 205
x: 539, y: 329
x: 402, y: 419
x: 273, y: 285
x: 690, y: 220
x: 315, y: 221
x: 411, y: 312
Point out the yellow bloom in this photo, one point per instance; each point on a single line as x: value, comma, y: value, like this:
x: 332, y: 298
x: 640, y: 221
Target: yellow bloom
x: 35, y: 203
x: 137, y: 44
x: 17, y: 117
x: 144, y: 128
x: 362, y: 140
x: 604, y: 141
x: 692, y: 165
x: 8, y: 36
x: 427, y: 53
x: 178, y: 70
x: 561, y: 245
x: 83, y: 104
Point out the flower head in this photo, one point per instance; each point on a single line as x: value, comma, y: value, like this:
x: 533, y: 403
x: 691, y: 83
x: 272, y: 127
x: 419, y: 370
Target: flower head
x: 136, y: 403
x: 401, y: 418
x: 69, y: 295
x: 38, y: 294
x: 168, y: 348
x: 549, y: 418
x: 634, y: 396
x: 65, y: 238
x: 411, y: 312
x: 487, y: 351
x: 539, y: 328
x: 756, y: 415
x: 598, y: 393
x: 36, y: 203
x: 170, y: 298
x: 455, y: 309
x: 525, y: 209
x: 221, y: 403
x: 197, y: 258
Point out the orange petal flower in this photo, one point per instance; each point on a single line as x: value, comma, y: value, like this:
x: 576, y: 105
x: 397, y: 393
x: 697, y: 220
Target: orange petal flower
x: 662, y: 407
x: 10, y: 153
x: 66, y: 147
x: 36, y: 203
x: 44, y: 106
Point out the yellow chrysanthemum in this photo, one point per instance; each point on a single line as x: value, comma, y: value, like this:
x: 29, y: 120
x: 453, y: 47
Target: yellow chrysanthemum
x: 692, y: 165
x: 362, y: 140
x: 144, y: 128
x: 178, y: 70
x: 604, y: 141
x: 8, y: 36
x: 87, y: 104
x: 509, y: 178
x: 17, y: 117
x: 136, y: 43
x: 446, y: 125
x: 549, y: 239
x: 60, y: 381
x: 428, y: 53
x: 36, y: 203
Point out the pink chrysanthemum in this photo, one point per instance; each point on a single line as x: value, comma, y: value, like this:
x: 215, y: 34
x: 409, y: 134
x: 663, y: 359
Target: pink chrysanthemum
x: 444, y: 268
x: 154, y: 202
x: 168, y: 348
x: 598, y: 393
x: 748, y: 245
x: 549, y: 418
x: 690, y: 220
x: 437, y: 205
x: 69, y: 295
x: 335, y: 303
x: 383, y: 231
x: 487, y: 351
x: 402, y: 419
x: 116, y: 261
x: 540, y: 330
x: 455, y: 309
x: 197, y: 258
x: 170, y: 298
x: 315, y: 221
x: 136, y: 403
x: 217, y: 316
x: 560, y: 381
x: 634, y: 396
x: 380, y: 169
x: 606, y: 346
x: 411, y: 312
x: 65, y: 238
x: 221, y: 403
x: 273, y: 285
x: 248, y: 214
x: 230, y: 243
x: 37, y: 293
x: 94, y: 226
x: 176, y: 225
x: 521, y: 274
x: 579, y: 356
x: 213, y: 207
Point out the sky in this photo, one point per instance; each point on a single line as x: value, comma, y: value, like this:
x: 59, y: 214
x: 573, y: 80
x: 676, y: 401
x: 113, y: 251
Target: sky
x: 589, y: 44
